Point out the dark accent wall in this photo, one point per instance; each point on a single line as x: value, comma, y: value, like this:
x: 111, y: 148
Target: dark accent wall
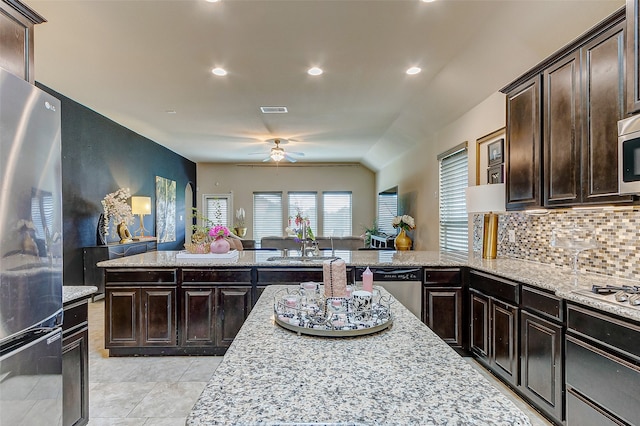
x: 98, y: 157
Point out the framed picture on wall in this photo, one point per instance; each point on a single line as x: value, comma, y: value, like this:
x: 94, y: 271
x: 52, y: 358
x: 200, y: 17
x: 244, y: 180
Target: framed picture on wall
x: 495, y: 174
x: 482, y: 154
x: 495, y: 152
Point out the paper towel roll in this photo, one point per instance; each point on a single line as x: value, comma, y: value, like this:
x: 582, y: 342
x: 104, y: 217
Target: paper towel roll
x: 334, y: 275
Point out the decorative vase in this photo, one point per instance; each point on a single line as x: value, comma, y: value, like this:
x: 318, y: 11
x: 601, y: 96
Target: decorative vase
x: 240, y: 232
x: 220, y: 246
x: 402, y: 241
x: 101, y: 236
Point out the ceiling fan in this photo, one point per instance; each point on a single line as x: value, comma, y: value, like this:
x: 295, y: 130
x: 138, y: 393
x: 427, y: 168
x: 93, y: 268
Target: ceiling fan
x: 278, y: 154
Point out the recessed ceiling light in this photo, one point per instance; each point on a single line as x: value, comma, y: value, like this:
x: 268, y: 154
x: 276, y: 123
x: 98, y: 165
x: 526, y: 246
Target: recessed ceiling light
x: 414, y: 70
x: 315, y: 71
x: 219, y: 72
x: 274, y: 109
x: 216, y: 1
x: 424, y: 1
x: 171, y: 111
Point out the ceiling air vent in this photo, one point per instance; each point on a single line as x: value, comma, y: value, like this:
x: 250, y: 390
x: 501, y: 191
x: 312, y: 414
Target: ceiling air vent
x: 274, y: 110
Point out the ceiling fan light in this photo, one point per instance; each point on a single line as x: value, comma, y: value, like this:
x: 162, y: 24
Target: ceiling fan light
x: 277, y: 156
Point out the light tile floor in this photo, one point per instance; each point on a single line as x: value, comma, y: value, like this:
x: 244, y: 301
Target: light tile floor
x: 160, y: 391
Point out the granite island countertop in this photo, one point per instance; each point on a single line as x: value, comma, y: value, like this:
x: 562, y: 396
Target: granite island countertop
x: 550, y: 277
x: 405, y: 375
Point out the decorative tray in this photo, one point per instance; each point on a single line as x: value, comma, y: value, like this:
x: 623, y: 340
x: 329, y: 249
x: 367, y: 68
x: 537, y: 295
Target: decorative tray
x: 305, y: 310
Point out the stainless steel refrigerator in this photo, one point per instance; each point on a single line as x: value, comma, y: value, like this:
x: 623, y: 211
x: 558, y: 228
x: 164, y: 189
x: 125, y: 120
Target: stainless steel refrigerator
x: 30, y: 255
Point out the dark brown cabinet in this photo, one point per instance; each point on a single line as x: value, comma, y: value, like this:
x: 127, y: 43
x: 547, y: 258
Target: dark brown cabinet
x: 602, y: 368
x: 75, y: 364
x: 17, y: 23
x: 140, y: 310
x: 541, y: 363
x: 494, y: 333
x: 583, y: 100
x: 442, y: 307
x: 633, y: 56
x: 523, y: 149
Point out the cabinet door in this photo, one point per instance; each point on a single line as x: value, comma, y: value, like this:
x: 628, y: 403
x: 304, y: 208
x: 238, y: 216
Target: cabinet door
x: 504, y: 340
x: 479, y: 312
x: 121, y: 316
x: 75, y: 378
x: 562, y: 132
x: 198, y: 307
x: 523, y: 166
x: 443, y: 313
x: 159, y: 316
x: 541, y: 363
x: 603, y: 84
x: 633, y: 56
x: 232, y: 308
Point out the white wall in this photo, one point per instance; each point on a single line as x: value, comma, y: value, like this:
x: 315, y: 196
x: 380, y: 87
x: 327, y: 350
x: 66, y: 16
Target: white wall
x: 416, y: 172
x: 243, y: 179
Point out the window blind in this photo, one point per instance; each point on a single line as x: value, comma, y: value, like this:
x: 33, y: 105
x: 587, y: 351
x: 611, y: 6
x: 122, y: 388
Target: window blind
x: 267, y: 215
x: 336, y: 214
x: 387, y: 210
x: 305, y: 203
x: 453, y: 177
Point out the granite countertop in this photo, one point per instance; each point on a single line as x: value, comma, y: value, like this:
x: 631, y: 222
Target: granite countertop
x: 71, y: 293
x: 404, y: 375
x: 550, y: 277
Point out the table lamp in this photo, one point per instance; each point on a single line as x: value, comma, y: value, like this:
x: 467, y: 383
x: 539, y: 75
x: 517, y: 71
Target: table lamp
x: 488, y: 199
x: 141, y: 206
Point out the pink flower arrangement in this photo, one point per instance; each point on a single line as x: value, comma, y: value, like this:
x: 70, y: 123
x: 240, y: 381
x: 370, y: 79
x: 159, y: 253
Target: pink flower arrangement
x: 219, y: 231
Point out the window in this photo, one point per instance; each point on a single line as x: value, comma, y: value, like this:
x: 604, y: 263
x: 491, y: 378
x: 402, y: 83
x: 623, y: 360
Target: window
x: 336, y: 214
x: 454, y: 172
x: 267, y: 215
x: 305, y: 202
x: 387, y: 210
x: 217, y: 209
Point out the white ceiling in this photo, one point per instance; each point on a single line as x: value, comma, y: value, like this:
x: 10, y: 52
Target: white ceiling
x: 133, y: 61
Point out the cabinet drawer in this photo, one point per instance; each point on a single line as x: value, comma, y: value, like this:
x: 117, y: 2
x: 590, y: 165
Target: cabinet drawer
x: 604, y: 379
x: 622, y: 336
x: 543, y: 303
x: 581, y: 411
x: 216, y: 276
x: 442, y: 276
x: 140, y: 276
x: 75, y: 315
x: 289, y: 275
x: 496, y: 287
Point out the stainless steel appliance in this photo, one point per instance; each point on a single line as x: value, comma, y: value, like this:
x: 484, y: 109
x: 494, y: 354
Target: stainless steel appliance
x: 30, y: 255
x: 404, y: 284
x: 629, y: 155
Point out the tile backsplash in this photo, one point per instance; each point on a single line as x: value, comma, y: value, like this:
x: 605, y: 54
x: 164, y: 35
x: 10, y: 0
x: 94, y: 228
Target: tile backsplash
x: 617, y: 232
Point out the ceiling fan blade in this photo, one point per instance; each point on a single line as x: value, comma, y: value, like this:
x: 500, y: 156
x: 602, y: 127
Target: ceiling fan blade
x: 266, y: 159
x: 300, y: 154
x: 290, y: 159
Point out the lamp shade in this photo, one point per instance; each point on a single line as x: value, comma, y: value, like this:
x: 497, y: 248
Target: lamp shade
x: 141, y: 205
x: 485, y: 198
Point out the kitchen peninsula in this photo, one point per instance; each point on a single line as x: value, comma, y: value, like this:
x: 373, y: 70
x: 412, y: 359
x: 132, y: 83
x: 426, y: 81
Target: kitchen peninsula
x: 568, y: 351
x: 403, y: 375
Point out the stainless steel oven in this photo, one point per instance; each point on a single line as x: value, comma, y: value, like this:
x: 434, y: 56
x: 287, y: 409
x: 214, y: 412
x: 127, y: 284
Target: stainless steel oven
x: 629, y: 155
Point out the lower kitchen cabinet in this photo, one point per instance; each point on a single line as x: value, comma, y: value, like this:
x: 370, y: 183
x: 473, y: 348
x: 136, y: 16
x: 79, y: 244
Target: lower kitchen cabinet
x: 541, y: 363
x: 602, y: 369
x: 213, y: 316
x: 442, y: 307
x: 140, y: 311
x: 494, y: 324
x: 75, y: 364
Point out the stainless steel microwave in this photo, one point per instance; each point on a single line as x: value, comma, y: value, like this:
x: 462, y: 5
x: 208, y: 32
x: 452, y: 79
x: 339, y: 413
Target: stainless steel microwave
x: 629, y: 155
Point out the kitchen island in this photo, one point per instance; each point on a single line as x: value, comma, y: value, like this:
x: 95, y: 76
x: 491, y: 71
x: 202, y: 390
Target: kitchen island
x: 404, y: 375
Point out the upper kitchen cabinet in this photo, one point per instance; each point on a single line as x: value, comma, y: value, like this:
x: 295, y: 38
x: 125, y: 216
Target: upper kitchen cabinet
x: 633, y: 57
x: 523, y: 150
x: 16, y: 38
x: 562, y: 123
